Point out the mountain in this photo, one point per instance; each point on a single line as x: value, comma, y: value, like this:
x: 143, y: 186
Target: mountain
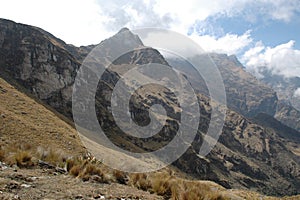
x: 39, y: 62
x: 245, y: 94
x: 287, y: 110
x: 284, y: 86
x: 249, y: 155
x: 42, y: 129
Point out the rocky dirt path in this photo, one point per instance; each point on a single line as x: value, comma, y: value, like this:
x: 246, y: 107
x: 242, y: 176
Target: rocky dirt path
x: 48, y: 184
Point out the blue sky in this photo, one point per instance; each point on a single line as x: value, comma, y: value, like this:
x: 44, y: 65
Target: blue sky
x: 271, y: 32
x: 262, y: 33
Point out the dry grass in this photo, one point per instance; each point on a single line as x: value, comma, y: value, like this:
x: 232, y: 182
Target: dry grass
x: 54, y: 157
x: 87, y: 170
x: 75, y: 170
x: 193, y: 190
x: 28, y: 121
x: 163, y: 183
x: 120, y: 176
x: 18, y: 154
x: 169, y: 186
x: 140, y: 181
x: 23, y: 159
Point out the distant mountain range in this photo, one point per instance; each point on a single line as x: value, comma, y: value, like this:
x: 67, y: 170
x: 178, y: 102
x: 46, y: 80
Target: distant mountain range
x: 255, y: 150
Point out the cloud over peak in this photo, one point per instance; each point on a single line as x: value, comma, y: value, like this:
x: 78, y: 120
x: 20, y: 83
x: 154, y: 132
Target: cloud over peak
x: 280, y: 60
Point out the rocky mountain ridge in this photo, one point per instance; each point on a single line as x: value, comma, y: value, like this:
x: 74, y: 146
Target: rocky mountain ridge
x: 245, y: 94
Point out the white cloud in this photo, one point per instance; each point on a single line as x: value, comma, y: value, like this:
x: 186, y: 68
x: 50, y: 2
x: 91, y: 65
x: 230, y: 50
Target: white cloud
x: 283, y: 9
x: 180, y: 16
x: 229, y: 44
x: 71, y: 20
x: 280, y: 60
x: 85, y: 22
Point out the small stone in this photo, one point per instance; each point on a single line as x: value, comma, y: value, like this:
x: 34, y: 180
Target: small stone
x: 4, y: 167
x: 99, y: 196
x: 79, y: 196
x: 96, y: 178
x: 25, y: 186
x: 31, y: 179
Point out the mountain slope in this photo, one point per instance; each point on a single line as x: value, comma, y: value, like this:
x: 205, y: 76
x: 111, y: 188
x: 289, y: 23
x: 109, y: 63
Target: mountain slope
x: 245, y: 94
x: 27, y: 121
x: 287, y: 110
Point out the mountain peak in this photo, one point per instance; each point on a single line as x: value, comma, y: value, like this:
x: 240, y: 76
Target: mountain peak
x: 122, y: 41
x: 127, y: 36
x: 124, y: 29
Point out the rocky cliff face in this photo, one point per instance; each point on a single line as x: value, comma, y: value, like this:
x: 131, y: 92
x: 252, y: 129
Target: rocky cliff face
x: 248, y: 155
x: 288, y: 107
x: 288, y: 115
x: 39, y: 62
x: 245, y: 94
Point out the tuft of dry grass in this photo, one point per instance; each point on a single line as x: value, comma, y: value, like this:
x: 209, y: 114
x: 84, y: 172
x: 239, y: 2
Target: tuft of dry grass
x: 71, y: 162
x: 120, y: 176
x: 23, y: 159
x: 140, y: 181
x: 87, y: 170
x: 54, y: 157
x: 75, y: 170
x: 91, y: 169
x: 161, y: 184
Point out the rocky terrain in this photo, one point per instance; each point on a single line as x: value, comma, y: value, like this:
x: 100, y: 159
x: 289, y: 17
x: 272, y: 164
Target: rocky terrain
x: 249, y: 155
x: 245, y: 94
x: 48, y: 184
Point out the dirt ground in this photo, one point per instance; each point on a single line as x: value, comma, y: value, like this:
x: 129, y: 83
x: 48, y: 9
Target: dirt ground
x: 16, y: 183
